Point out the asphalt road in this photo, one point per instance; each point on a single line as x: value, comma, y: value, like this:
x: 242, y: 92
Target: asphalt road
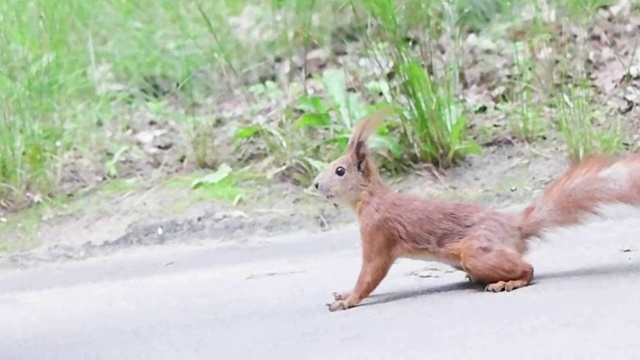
x: 267, y: 300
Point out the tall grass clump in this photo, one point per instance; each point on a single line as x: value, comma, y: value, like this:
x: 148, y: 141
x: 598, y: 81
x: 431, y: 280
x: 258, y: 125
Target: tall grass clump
x: 433, y: 127
x: 40, y: 81
x: 67, y: 68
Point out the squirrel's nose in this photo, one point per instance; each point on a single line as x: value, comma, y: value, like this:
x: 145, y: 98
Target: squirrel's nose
x: 317, y: 185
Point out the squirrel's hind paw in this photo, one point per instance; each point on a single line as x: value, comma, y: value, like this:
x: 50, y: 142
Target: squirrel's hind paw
x: 506, y: 285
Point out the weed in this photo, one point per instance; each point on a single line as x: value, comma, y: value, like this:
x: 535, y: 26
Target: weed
x: 301, y: 145
x: 587, y: 129
x: 433, y: 125
x: 221, y: 183
x: 526, y: 122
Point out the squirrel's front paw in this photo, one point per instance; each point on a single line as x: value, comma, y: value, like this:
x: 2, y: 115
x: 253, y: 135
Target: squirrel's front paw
x: 338, y: 305
x: 341, y: 296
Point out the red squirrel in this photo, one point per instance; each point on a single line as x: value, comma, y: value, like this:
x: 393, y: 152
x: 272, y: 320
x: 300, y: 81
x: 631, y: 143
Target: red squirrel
x: 486, y: 244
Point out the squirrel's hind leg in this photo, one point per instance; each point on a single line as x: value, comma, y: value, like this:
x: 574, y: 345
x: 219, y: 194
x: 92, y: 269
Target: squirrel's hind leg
x: 495, y: 265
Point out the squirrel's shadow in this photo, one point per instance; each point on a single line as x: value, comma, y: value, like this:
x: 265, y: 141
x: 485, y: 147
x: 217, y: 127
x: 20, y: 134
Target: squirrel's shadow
x: 590, y: 271
x: 584, y: 272
x: 381, y: 298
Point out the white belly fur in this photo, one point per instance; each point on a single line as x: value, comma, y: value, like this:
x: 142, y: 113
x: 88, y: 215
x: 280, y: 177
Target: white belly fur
x: 427, y: 256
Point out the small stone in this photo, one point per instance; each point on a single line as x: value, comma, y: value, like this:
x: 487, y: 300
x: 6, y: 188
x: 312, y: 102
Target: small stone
x: 145, y: 137
x: 318, y: 54
x: 229, y: 214
x: 632, y: 93
x: 626, y: 107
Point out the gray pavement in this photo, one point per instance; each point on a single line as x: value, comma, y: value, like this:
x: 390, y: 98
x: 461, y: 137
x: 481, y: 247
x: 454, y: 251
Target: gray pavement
x: 266, y: 300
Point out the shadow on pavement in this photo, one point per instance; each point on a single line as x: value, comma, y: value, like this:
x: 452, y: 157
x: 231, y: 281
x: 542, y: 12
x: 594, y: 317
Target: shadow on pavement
x: 590, y: 271
x: 382, y: 298
x: 585, y: 272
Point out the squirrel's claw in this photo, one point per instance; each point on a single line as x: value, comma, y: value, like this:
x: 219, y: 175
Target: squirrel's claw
x: 500, y: 286
x: 340, y: 296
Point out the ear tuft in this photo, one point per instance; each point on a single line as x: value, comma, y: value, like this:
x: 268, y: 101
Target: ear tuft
x: 357, y: 145
x: 360, y: 150
x: 364, y: 129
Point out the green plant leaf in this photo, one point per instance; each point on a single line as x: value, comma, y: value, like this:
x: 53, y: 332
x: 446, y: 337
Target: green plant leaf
x: 336, y: 85
x: 311, y: 104
x: 430, y: 150
x: 472, y: 147
x: 246, y: 132
x: 111, y: 165
x: 316, y: 164
x: 356, y: 108
x: 313, y: 120
x: 220, y: 174
x: 457, y: 131
x: 341, y: 139
x: 257, y: 89
x: 387, y: 143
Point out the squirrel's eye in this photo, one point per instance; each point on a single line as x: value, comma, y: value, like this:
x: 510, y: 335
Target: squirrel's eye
x: 340, y: 171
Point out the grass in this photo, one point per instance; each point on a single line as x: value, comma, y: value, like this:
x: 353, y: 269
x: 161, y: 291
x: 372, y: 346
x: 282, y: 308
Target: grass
x: 83, y: 81
x: 433, y: 125
x: 528, y: 123
x: 588, y: 129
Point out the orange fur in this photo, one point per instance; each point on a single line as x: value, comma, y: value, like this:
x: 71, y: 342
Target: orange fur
x: 595, y: 181
x: 488, y: 245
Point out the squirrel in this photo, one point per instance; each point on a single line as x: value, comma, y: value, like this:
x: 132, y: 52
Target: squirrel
x: 486, y: 244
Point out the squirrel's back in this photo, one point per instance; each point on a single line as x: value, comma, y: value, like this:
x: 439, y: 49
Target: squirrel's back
x: 432, y: 224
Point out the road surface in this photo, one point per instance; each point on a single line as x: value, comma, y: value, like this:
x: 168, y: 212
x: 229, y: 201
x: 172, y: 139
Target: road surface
x: 266, y: 300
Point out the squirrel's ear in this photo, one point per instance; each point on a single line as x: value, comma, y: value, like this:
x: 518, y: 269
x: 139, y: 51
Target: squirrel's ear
x: 357, y: 143
x: 360, y: 153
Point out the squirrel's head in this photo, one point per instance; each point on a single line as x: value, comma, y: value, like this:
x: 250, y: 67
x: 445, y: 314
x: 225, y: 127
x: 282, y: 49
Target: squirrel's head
x: 343, y: 180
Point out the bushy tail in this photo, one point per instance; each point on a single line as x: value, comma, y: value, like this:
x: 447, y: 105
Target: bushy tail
x: 581, y: 191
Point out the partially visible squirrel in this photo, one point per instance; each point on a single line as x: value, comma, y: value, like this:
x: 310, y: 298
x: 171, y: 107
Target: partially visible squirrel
x: 488, y: 245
